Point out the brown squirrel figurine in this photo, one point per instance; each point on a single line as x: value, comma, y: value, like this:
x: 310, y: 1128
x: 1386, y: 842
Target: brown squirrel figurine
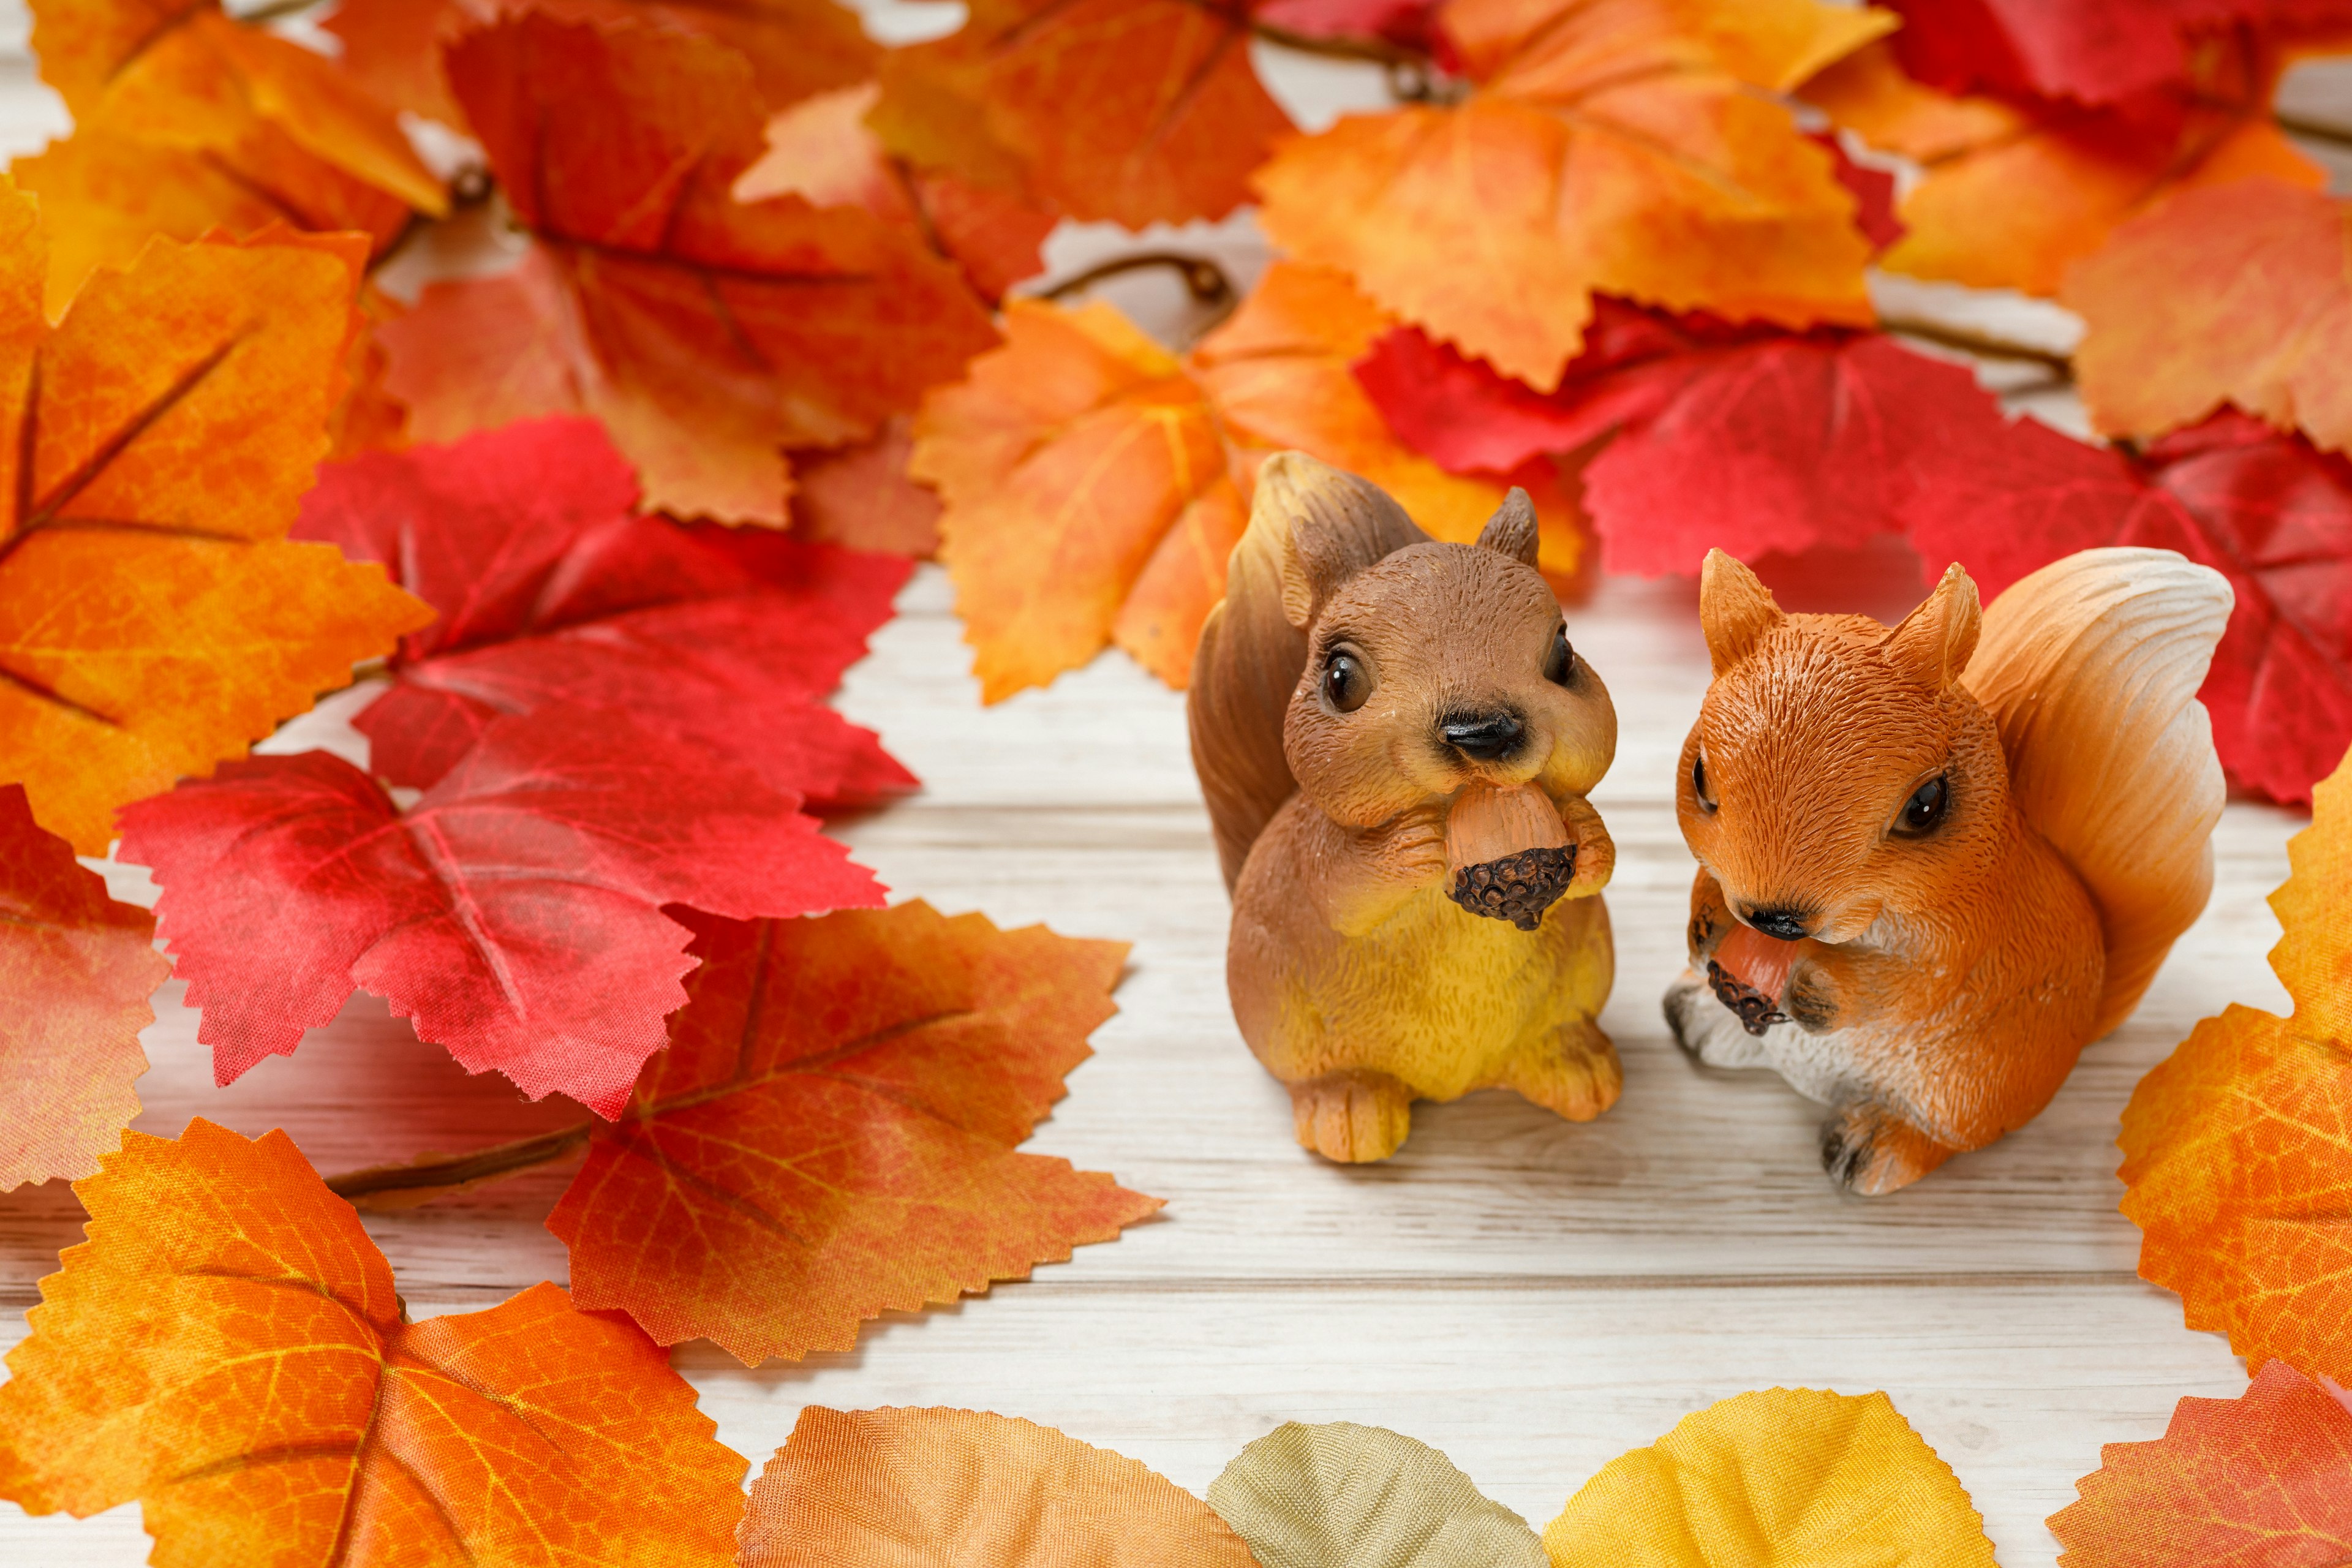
x: 1936, y: 861
x: 1395, y: 738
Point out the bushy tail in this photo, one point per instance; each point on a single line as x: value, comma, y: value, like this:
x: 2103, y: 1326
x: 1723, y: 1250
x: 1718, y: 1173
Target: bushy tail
x: 1309, y: 525
x: 2091, y: 667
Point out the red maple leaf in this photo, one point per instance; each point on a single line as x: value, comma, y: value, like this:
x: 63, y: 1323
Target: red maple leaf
x: 552, y: 589
x: 514, y: 912
x: 2096, y: 51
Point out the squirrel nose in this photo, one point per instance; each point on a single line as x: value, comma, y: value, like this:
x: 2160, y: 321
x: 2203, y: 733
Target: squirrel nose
x: 1487, y: 737
x: 1786, y: 924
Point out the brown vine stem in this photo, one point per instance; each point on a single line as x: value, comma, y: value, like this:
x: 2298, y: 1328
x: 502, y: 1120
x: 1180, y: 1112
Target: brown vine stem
x: 428, y: 1176
x: 1975, y: 343
x: 2315, y: 129
x: 1211, y: 287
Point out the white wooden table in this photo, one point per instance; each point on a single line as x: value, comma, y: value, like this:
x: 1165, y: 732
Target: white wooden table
x: 1531, y: 1296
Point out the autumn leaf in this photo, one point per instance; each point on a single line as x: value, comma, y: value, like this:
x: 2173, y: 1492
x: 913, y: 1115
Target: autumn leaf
x: 1618, y: 147
x: 2095, y: 51
x: 76, y: 969
x: 550, y: 589
x: 515, y: 912
x: 1311, y: 1497
x: 1787, y: 1474
x: 794, y: 48
x: 863, y: 498
x: 226, y: 1349
x: 183, y: 74
x: 153, y: 620
x: 1409, y: 25
x: 2238, y: 1147
x: 856, y: 1489
x: 823, y: 151
x: 1094, y: 483
x: 2230, y: 295
x: 1173, y: 116
x: 834, y: 1127
x: 708, y: 335
x: 2016, y: 192
x: 2263, y: 1481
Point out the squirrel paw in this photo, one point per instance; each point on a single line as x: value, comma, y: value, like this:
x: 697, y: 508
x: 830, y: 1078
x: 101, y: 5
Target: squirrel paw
x: 1868, y: 1149
x: 1574, y: 1074
x: 1353, y: 1116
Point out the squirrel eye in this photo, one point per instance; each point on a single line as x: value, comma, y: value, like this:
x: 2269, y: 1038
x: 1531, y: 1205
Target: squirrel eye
x: 1559, y: 659
x: 1698, y: 783
x: 1925, y: 809
x: 1345, y: 681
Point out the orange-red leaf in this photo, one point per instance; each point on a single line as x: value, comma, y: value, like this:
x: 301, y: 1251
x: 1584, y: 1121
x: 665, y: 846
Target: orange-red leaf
x: 853, y: 1489
x: 76, y: 969
x: 1621, y: 146
x: 1095, y: 483
x: 227, y: 1348
x: 2236, y: 294
x: 153, y: 448
x: 831, y: 1132
x: 2263, y: 1481
x: 2016, y: 193
x: 2238, y: 1147
x: 706, y: 333
x: 794, y: 46
x: 1134, y: 110
x: 181, y: 74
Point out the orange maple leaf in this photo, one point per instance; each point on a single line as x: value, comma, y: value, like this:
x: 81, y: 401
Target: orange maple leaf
x: 76, y: 969
x: 794, y: 46
x: 2013, y: 196
x: 831, y: 1132
x: 971, y: 1486
x: 1095, y: 483
x: 1620, y: 146
x: 708, y: 335
x: 227, y: 1348
x: 2238, y: 1147
x: 155, y: 446
x: 183, y: 74
x: 2236, y: 294
x: 1135, y: 111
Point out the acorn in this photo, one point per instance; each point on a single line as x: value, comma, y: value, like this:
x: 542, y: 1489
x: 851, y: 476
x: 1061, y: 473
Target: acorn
x: 1508, y: 853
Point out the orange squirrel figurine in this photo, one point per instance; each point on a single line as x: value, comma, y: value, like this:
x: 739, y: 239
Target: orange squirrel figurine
x: 1395, y: 738
x: 1936, y: 861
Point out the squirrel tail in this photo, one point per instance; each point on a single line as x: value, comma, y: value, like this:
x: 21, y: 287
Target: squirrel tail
x: 1310, y: 526
x: 2091, y: 666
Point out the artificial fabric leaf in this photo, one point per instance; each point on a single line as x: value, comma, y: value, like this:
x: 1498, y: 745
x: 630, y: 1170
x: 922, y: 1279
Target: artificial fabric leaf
x: 2263, y: 1481
x: 183, y: 74
x: 2015, y: 192
x: 832, y: 1132
x: 1344, y: 1496
x: 152, y: 618
x: 1787, y: 1475
x: 514, y: 912
x: 2238, y: 1147
x: 857, y: 1489
x: 1620, y: 146
x: 1094, y: 483
x: 2236, y: 294
x: 1174, y: 121
x: 76, y: 969
x: 823, y: 151
x: 863, y: 498
x: 708, y: 335
x: 794, y: 46
x: 550, y: 589
x: 228, y: 1349
x: 1409, y: 25
x: 2096, y: 51
x: 105, y: 193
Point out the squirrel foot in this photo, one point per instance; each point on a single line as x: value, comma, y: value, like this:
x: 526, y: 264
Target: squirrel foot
x: 1868, y: 1149
x: 1573, y: 1074
x: 1353, y: 1116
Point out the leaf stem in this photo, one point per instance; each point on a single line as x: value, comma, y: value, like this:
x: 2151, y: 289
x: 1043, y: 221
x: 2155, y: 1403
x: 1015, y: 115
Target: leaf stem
x: 2313, y: 129
x: 1969, y: 340
x: 1203, y: 279
x: 463, y: 1170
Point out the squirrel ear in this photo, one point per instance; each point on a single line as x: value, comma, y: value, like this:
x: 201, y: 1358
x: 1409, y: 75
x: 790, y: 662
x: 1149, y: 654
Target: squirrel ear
x: 1934, y: 642
x: 1735, y: 609
x: 1332, y: 526
x: 1512, y: 528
